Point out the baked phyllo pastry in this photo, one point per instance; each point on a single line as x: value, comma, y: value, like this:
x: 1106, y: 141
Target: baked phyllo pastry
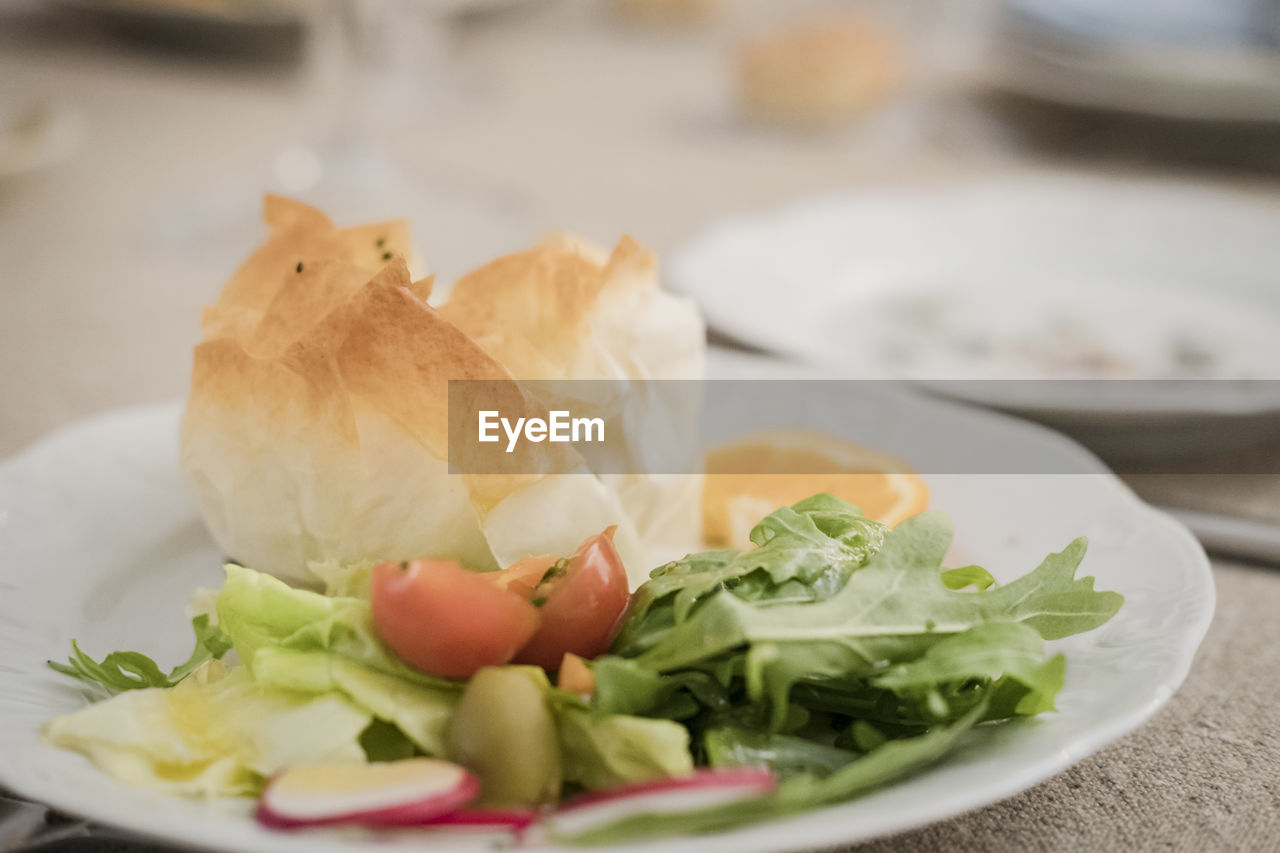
x: 316, y: 433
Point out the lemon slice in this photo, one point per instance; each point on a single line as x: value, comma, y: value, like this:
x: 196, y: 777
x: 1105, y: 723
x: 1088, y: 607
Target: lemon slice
x: 790, y: 465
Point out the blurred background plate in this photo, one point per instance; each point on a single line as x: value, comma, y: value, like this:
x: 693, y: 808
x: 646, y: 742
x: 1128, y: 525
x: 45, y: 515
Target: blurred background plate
x: 1034, y: 277
x: 1215, y: 60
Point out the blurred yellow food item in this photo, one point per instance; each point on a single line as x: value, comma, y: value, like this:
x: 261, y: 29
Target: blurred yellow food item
x: 791, y: 465
x: 816, y: 74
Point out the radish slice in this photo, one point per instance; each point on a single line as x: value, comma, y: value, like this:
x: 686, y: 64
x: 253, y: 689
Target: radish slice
x: 399, y: 793
x: 510, y: 820
x: 702, y: 789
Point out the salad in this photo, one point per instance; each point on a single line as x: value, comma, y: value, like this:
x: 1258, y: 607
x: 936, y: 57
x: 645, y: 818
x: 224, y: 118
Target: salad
x: 547, y: 700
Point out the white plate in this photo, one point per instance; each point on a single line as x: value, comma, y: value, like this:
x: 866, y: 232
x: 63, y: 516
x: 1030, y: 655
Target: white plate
x: 99, y: 542
x: 1201, y: 60
x: 1001, y: 279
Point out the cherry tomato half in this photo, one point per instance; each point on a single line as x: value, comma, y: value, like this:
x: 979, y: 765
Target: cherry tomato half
x: 444, y: 620
x: 582, y: 604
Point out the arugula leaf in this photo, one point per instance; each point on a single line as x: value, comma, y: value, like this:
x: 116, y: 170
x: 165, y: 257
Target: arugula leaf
x: 894, y: 609
x: 625, y: 687
x: 135, y: 671
x: 785, y: 755
x: 1011, y: 650
x: 891, y: 760
x: 804, y: 552
x: 865, y: 736
x: 882, y: 765
x: 839, y: 654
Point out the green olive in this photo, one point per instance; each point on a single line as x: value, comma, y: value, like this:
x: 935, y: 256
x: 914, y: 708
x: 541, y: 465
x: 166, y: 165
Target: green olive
x: 503, y: 731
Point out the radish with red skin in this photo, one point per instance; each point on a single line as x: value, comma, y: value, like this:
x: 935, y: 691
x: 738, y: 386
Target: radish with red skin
x: 411, y: 792
x: 704, y: 788
x: 511, y: 820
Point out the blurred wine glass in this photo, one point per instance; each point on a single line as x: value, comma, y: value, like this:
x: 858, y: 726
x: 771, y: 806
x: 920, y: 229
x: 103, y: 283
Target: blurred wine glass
x: 383, y: 73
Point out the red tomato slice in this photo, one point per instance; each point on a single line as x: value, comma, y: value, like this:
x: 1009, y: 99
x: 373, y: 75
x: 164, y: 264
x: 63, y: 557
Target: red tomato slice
x: 581, y: 609
x: 444, y: 620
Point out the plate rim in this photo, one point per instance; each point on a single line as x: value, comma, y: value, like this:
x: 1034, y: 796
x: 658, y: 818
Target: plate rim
x: 1036, y: 59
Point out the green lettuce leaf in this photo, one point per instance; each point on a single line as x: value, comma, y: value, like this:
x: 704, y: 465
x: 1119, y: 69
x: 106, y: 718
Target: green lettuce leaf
x: 349, y: 580
x: 311, y: 643
x: 605, y: 750
x: 421, y: 712
x: 217, y: 733
x: 259, y: 612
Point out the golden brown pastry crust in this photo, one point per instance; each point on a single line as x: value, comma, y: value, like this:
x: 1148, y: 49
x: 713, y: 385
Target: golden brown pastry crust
x: 533, y: 310
x: 318, y: 343
x: 317, y: 426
